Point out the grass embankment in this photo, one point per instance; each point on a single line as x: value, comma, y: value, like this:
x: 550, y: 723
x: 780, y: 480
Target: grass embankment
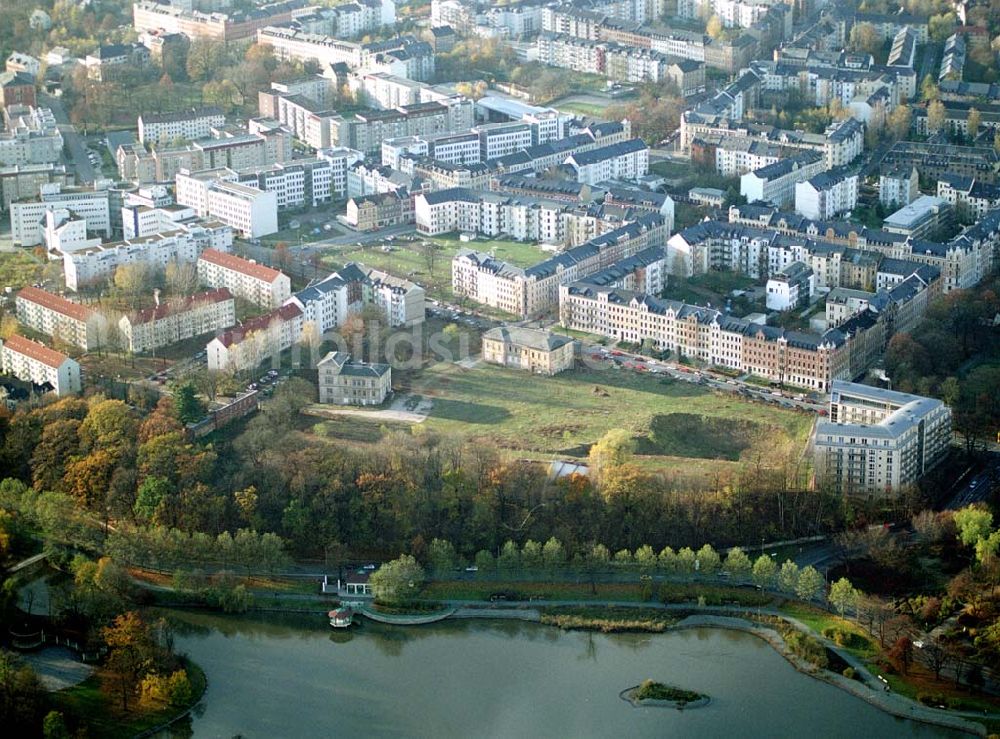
x: 678, y: 426
x: 660, y: 592
x: 654, y: 691
x: 608, y: 620
x: 409, y: 608
x: 92, y: 706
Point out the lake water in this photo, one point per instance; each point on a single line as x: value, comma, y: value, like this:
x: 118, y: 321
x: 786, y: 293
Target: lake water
x: 295, y: 677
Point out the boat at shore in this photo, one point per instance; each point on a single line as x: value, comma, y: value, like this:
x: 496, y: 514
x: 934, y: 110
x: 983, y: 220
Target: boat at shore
x: 341, y: 618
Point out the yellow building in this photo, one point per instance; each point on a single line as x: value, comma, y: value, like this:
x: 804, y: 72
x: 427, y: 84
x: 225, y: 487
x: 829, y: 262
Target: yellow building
x: 527, y: 348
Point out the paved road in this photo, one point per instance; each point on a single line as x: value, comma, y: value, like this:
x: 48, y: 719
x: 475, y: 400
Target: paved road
x: 75, y: 143
x: 977, y: 486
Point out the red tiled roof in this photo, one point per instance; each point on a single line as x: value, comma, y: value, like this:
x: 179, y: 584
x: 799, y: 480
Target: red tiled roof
x: 36, y: 351
x: 237, y: 333
x: 56, y: 303
x: 239, y: 264
x: 211, y: 296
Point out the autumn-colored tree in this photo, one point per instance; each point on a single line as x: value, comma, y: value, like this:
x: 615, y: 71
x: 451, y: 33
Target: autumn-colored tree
x: 133, y: 652
x: 936, y: 116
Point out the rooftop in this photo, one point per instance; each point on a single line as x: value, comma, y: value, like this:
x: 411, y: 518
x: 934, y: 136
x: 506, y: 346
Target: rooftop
x: 55, y: 302
x: 34, y: 350
x: 532, y: 338
x: 238, y: 264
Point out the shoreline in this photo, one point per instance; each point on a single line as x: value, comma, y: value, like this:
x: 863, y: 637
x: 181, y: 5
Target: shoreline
x: 883, y: 701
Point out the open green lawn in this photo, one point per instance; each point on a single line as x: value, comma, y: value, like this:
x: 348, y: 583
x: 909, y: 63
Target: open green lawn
x: 675, y: 424
x: 581, y: 108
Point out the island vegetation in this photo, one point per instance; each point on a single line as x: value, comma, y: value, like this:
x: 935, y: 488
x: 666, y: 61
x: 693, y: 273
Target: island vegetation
x: 650, y: 692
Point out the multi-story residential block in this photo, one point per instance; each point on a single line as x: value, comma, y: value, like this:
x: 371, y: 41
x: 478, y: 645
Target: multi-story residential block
x: 531, y: 349
x: 787, y: 357
x: 247, y: 345
x: 402, y: 56
x: 24, y: 181
x: 65, y: 321
x: 877, y: 442
x: 626, y: 160
x: 645, y: 271
x: 500, y: 139
x: 366, y: 130
x: 28, y: 216
x: 827, y: 194
x: 224, y: 25
x: 196, y: 123
x: 776, y: 183
x: 936, y: 160
x: 183, y: 245
x: 17, y: 88
x: 971, y: 198
x: 112, y: 61
x: 401, y: 301
x: 921, y: 218
x: 166, y: 324
x: 251, y: 281
x: 898, y: 185
x: 790, y: 288
x: 215, y: 193
x: 29, y: 136
x: 343, y: 381
x: 534, y: 290
x: 371, y: 212
x: 36, y: 363
x: 296, y: 184
x: 341, y: 160
x: 843, y: 303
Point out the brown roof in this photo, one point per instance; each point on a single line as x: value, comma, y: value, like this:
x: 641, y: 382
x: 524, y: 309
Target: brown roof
x: 189, y: 303
x: 36, y: 351
x: 56, y: 303
x: 239, y: 264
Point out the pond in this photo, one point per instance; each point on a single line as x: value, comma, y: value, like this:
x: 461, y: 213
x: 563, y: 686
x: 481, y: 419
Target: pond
x: 293, y: 676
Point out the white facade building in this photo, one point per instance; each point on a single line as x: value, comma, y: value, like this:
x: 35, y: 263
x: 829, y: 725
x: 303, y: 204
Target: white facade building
x: 260, y: 285
x: 33, y: 362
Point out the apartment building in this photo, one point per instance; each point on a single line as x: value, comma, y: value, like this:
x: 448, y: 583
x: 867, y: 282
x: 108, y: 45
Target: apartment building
x: 790, y: 288
x: 196, y: 123
x: 366, y: 130
x: 182, y: 244
x: 535, y: 290
x: 788, y: 357
x: 29, y: 136
x: 256, y: 340
x: 501, y: 139
x: 166, y: 324
x: 221, y: 23
x: 300, y: 183
x: 827, y: 194
x: 876, y: 442
x: 401, y: 301
x: 216, y: 193
x: 110, y: 62
x: 970, y: 198
x: 933, y: 161
x: 17, y: 88
x: 402, y: 56
x: 36, y: 363
x: 372, y: 212
x: 28, y: 216
x: 534, y: 350
x: 776, y: 183
x: 65, y: 321
x: 898, y: 185
x: 24, y: 181
x: 245, y: 279
x: 623, y: 161
x: 344, y: 381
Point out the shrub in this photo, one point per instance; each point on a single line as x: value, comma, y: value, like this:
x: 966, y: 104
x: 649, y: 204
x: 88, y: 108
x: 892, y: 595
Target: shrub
x: 849, y: 673
x: 179, y: 689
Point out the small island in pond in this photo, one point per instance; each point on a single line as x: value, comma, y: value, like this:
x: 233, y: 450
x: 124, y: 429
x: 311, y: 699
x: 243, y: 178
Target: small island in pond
x: 651, y: 693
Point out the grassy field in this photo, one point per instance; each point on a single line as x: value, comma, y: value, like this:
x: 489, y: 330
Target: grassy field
x: 581, y: 108
x: 674, y: 423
